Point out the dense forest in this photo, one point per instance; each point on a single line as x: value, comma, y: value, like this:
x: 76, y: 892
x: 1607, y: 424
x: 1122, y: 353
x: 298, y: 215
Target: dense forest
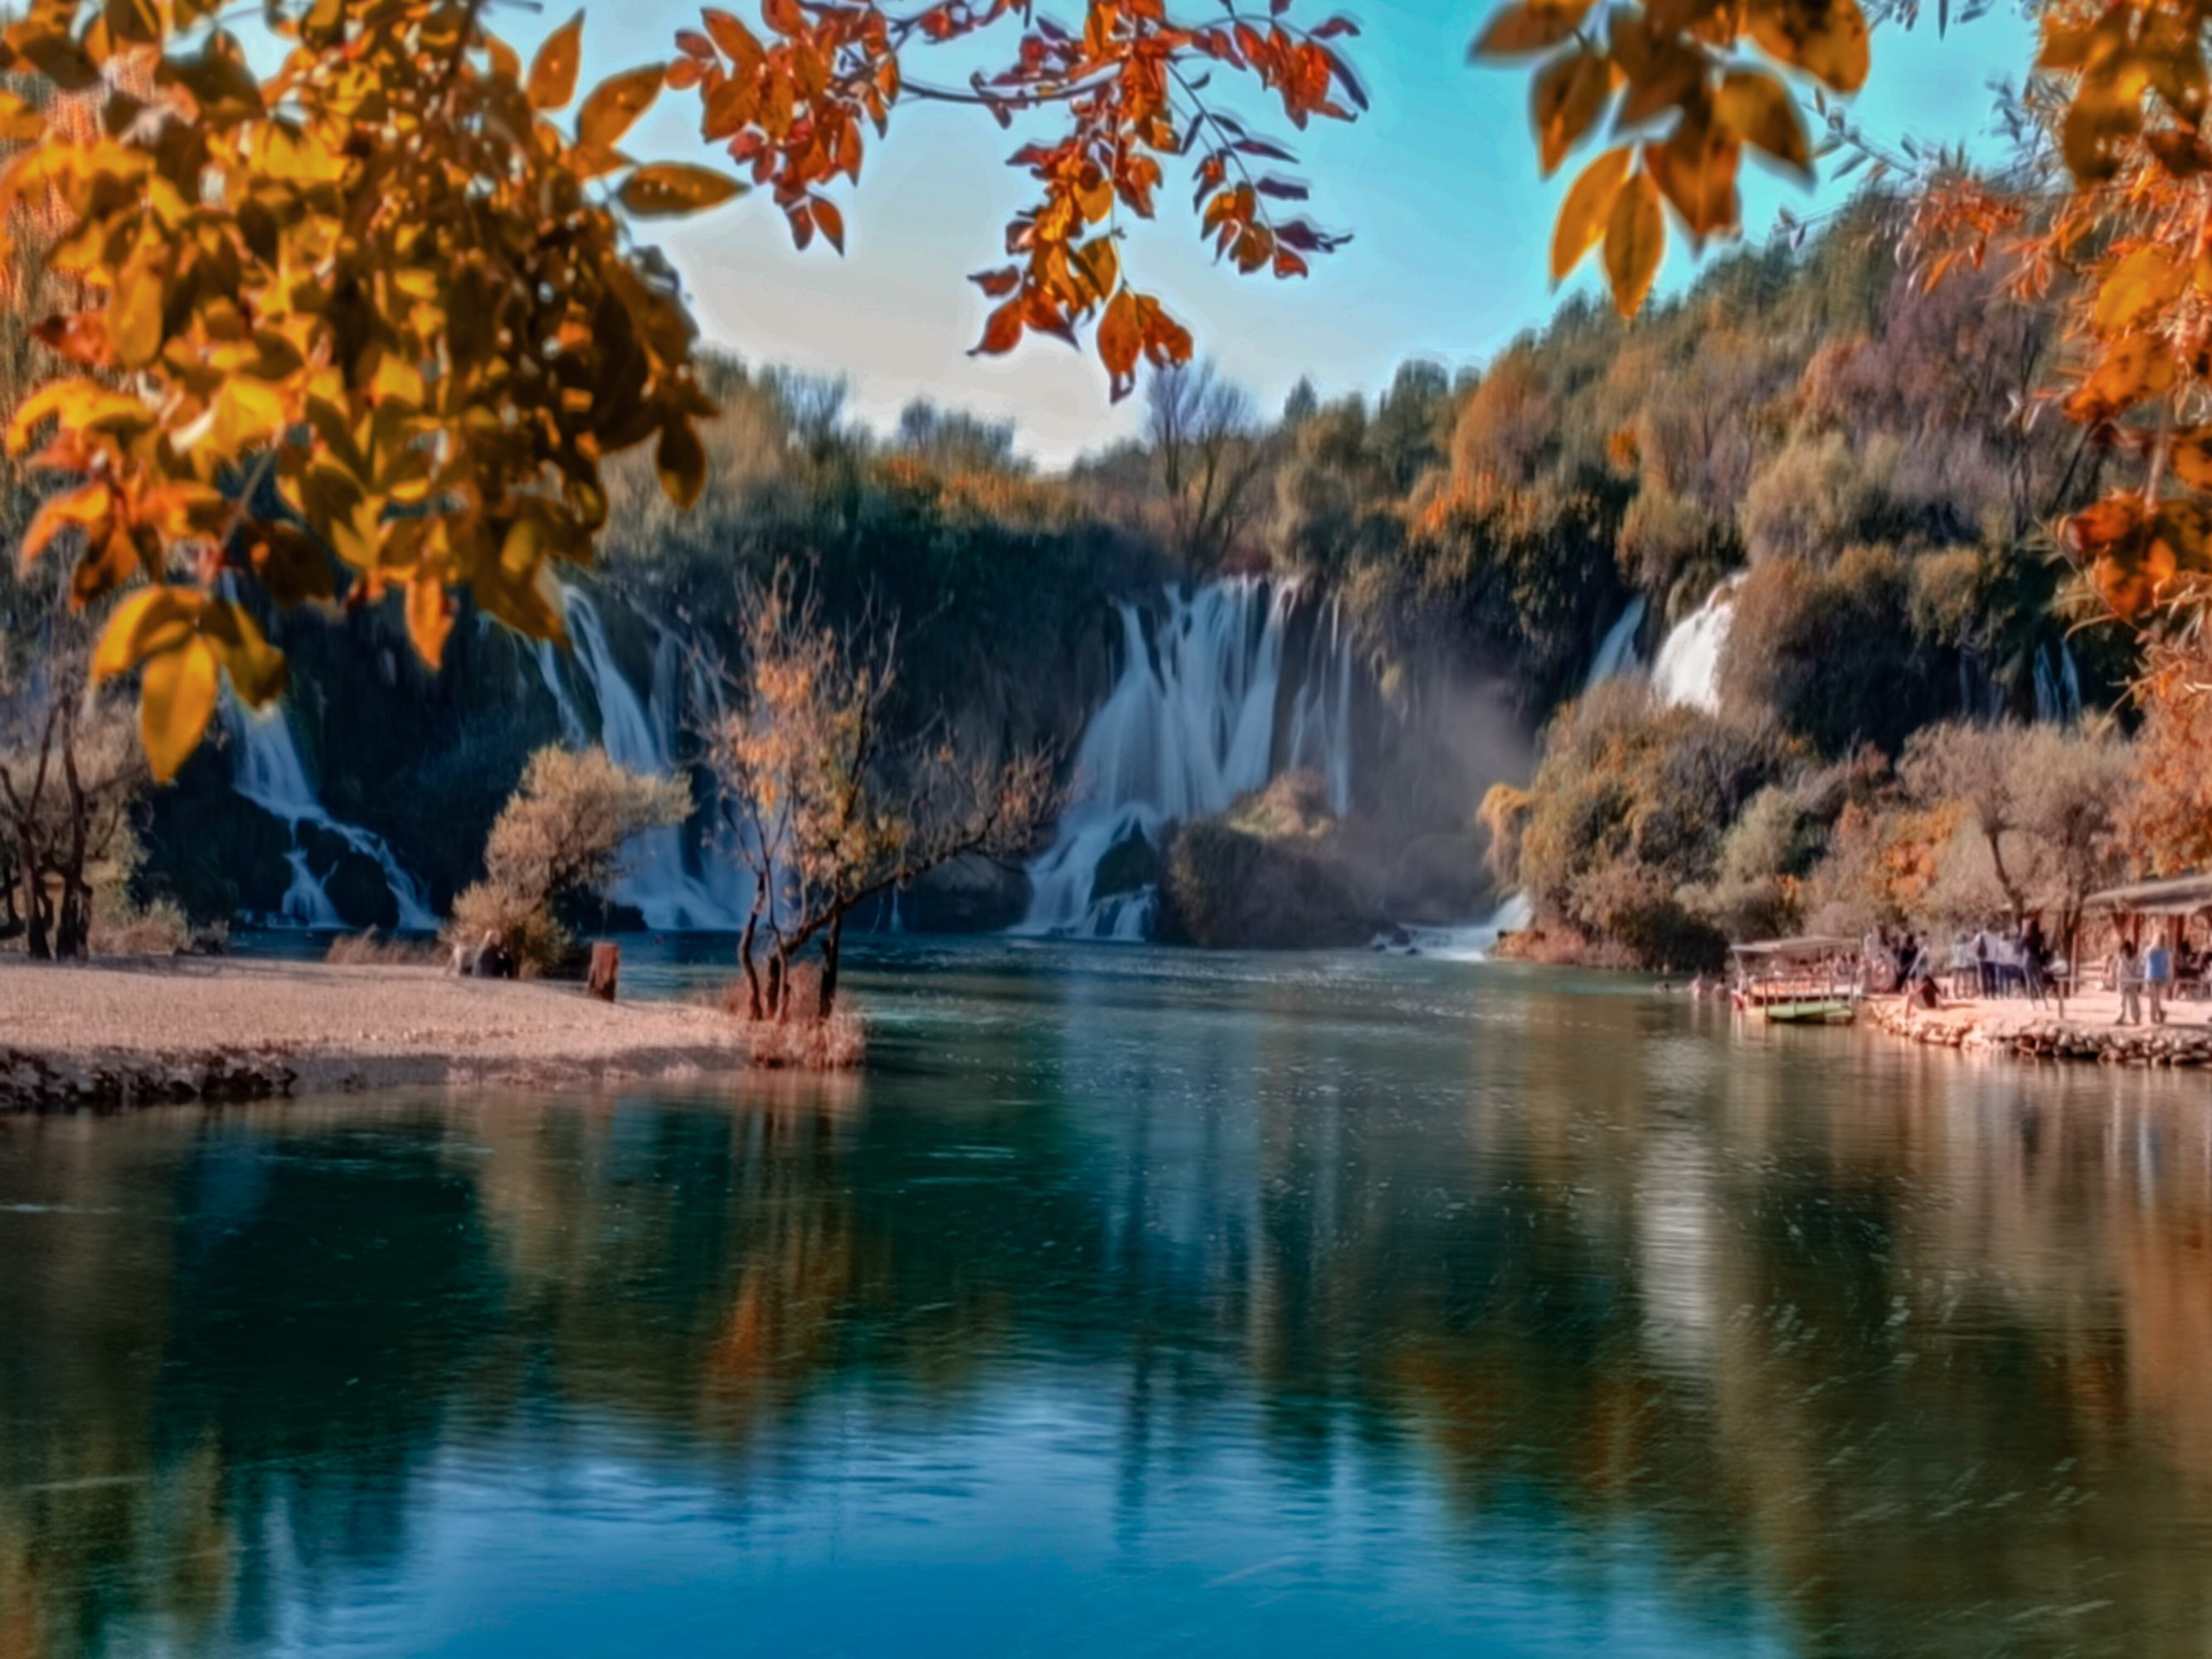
x: 1848, y: 461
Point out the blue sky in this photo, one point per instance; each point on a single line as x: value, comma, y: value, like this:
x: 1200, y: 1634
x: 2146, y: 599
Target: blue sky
x: 1437, y: 183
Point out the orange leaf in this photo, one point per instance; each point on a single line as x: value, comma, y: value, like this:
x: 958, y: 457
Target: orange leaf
x: 82, y: 507
x: 553, y: 71
x: 1003, y: 332
x: 1635, y: 237
x: 1515, y: 30
x: 1583, y: 216
x: 1759, y: 110
x: 615, y: 103
x: 830, y: 221
x: 1568, y: 96
x: 1826, y: 39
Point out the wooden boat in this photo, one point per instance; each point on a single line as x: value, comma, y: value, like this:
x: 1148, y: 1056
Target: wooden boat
x: 1798, y: 981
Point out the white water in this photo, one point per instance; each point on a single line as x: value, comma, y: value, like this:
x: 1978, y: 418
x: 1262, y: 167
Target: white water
x: 676, y: 890
x: 1687, y: 669
x: 2057, y: 689
x: 1189, y: 727
x: 1616, y: 652
x: 1472, y: 943
x: 266, y: 769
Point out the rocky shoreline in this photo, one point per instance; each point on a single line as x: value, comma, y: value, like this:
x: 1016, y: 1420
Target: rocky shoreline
x: 1974, y: 1028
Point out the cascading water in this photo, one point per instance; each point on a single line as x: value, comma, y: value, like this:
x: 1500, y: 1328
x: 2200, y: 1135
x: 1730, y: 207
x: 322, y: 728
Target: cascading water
x: 675, y: 892
x: 266, y: 769
x: 1472, y: 943
x: 1616, y: 652
x: 1321, y: 717
x: 2057, y: 687
x: 1188, y: 727
x: 1687, y: 669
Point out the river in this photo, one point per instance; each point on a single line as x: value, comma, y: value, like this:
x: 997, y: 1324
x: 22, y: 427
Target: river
x: 1132, y: 1301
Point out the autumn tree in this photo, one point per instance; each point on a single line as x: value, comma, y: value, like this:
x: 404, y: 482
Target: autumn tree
x: 560, y: 838
x: 2104, y: 208
x: 826, y: 806
x: 371, y: 324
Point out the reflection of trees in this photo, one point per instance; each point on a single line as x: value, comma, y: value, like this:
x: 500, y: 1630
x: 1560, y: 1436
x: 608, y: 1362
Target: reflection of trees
x: 1913, y: 1352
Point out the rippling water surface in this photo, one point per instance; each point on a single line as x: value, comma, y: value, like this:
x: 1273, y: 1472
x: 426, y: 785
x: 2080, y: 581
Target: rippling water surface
x: 1133, y: 1302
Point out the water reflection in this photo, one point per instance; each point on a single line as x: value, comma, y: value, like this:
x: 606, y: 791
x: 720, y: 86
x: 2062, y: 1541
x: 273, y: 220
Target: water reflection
x: 1150, y: 1302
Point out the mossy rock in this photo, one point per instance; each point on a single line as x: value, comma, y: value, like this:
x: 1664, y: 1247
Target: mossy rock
x: 1227, y: 889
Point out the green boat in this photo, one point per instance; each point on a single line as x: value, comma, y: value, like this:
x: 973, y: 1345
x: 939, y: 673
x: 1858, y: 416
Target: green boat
x: 1798, y: 981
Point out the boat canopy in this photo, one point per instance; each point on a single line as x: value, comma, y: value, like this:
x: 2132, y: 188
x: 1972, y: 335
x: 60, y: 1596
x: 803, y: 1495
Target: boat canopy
x: 1790, y: 950
x: 2179, y: 896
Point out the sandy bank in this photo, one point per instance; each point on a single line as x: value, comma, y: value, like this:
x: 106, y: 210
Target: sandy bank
x: 120, y: 1033
x: 2016, y: 1027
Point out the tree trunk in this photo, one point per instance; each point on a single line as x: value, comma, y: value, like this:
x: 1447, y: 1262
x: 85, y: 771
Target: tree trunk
x: 776, y: 964
x: 606, y: 967
x: 73, y: 936
x: 35, y: 943
x: 830, y: 944
x: 745, y: 961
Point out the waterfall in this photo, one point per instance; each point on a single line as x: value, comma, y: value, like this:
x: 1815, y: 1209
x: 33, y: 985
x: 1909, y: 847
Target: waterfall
x: 1321, y: 717
x: 266, y: 769
x: 1472, y: 943
x: 2057, y: 686
x: 676, y: 890
x: 1687, y: 669
x: 1188, y: 727
x: 1616, y: 652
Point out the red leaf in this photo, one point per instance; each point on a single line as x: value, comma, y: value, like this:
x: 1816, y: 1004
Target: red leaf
x: 1003, y: 332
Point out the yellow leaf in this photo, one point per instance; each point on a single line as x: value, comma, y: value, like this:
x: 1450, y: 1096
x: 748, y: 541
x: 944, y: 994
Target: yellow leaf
x: 615, y: 103
x: 1635, y: 237
x: 19, y: 123
x: 246, y: 412
x: 134, y: 310
x: 84, y: 508
x: 1582, y: 215
x: 257, y: 669
x: 176, y: 698
x: 553, y: 71
x: 2137, y: 285
x: 1758, y: 109
x: 1513, y: 31
x: 429, y: 616
x: 1569, y: 95
x: 676, y: 187
x: 152, y: 619
x: 680, y: 461
x: 1826, y: 39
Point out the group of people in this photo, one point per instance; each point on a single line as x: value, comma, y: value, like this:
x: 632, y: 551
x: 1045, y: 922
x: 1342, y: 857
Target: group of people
x: 2006, y: 963
x: 2154, y: 975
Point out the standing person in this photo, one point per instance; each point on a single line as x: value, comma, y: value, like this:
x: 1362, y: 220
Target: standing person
x: 2128, y: 972
x: 1985, y: 969
x: 2158, y: 974
x: 2033, y: 954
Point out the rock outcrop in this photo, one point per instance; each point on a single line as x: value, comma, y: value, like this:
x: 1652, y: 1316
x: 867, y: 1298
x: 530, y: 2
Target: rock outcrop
x: 1273, y: 872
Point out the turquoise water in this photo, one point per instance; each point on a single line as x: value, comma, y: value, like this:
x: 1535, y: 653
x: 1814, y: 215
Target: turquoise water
x: 1132, y: 1302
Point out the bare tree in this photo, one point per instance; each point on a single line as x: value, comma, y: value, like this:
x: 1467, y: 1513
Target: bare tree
x: 1205, y: 443
x: 827, y: 807
x: 71, y: 768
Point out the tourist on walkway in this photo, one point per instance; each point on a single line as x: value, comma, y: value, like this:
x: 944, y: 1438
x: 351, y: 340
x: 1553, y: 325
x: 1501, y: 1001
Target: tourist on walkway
x: 2128, y: 974
x: 1985, y: 967
x: 2032, y: 955
x: 2158, y: 974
